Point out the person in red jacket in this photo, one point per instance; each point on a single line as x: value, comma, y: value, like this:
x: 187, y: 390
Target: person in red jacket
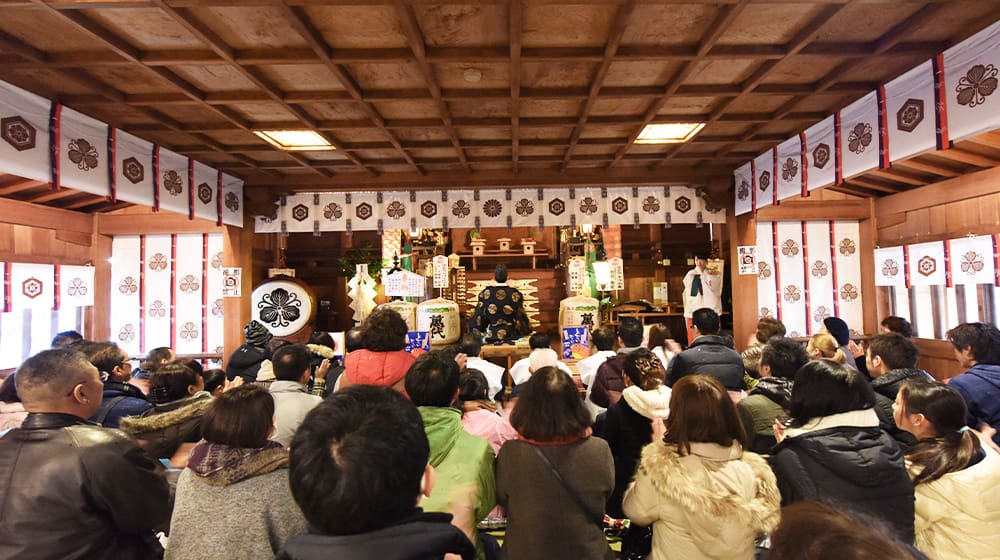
x: 382, y: 359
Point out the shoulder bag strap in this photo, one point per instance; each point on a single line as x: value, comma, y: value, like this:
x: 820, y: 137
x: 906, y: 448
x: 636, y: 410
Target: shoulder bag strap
x: 594, y: 517
x: 105, y: 410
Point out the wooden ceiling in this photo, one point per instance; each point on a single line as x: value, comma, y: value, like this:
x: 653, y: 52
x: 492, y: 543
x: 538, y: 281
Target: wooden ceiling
x: 418, y: 93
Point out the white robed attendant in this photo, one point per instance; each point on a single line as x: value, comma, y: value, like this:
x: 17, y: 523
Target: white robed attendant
x: 702, y: 288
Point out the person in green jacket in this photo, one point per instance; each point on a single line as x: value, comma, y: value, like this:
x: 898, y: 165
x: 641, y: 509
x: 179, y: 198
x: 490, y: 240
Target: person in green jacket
x: 465, y: 485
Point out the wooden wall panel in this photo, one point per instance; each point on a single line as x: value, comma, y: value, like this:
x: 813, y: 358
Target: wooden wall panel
x: 938, y: 358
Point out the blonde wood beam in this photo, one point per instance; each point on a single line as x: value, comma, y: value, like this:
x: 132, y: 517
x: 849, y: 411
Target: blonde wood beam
x: 97, y: 318
x: 515, y: 31
x: 951, y: 190
x: 816, y: 210
x: 924, y: 167
x: 958, y: 154
x: 27, y: 214
x: 150, y: 223
x: 237, y: 251
x: 746, y: 311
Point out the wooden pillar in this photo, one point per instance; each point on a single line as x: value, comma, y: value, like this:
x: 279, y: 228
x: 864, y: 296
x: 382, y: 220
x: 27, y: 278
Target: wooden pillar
x: 866, y: 239
x: 97, y: 318
x: 237, y: 248
x: 742, y: 231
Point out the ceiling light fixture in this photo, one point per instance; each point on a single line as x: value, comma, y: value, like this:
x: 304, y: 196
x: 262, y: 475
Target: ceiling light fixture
x: 295, y: 140
x: 670, y: 133
x: 472, y: 75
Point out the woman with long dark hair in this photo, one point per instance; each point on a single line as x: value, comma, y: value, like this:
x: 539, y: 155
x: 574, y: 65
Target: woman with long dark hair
x: 179, y: 401
x: 833, y: 449
x: 957, y: 479
x: 704, y: 496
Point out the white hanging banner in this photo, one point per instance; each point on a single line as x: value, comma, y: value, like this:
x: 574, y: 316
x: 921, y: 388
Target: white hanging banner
x: 793, y: 281
x: 590, y: 207
x: 76, y: 286
x: 404, y: 283
x: 214, y: 329
x: 206, y: 192
x: 686, y: 207
x: 267, y: 225
x: 232, y: 200
x: 764, y: 165
x: 577, y: 270
x: 493, y: 208
x: 557, y: 207
x: 890, y: 266
x: 300, y: 211
x: 174, y: 182
x: 859, y: 136
x: 971, y: 70
x: 927, y: 266
x: 24, y: 130
x: 621, y: 205
x: 189, y: 293
x: 332, y: 212
x: 743, y: 181
x: 617, y: 268
x: 971, y: 260
x: 430, y: 209
x: 767, y: 274
x: 83, y: 152
x: 440, y: 266
x: 819, y: 273
x: 133, y: 169
x: 396, y: 211
x: 820, y: 142
x: 525, y: 208
x: 909, y: 102
x: 156, y: 297
x: 126, y: 279
x: 848, y: 263
x: 32, y: 286
x: 790, y: 168
x: 651, y: 205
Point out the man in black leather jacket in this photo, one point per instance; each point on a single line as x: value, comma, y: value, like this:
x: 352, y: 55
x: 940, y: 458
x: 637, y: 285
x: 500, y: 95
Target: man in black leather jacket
x: 68, y: 488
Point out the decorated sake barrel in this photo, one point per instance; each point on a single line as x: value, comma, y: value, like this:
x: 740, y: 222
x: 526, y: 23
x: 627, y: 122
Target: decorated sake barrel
x: 580, y: 311
x: 440, y: 318
x: 406, y: 309
x: 284, y: 305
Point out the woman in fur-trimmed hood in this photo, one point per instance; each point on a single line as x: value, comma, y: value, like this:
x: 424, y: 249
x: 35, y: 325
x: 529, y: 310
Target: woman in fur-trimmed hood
x: 704, y: 496
x: 179, y: 403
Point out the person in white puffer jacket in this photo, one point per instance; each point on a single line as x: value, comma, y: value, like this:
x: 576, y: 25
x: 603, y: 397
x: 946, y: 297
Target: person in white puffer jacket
x: 956, y: 478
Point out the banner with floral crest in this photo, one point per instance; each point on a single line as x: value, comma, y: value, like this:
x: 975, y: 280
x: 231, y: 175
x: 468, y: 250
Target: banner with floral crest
x: 971, y: 70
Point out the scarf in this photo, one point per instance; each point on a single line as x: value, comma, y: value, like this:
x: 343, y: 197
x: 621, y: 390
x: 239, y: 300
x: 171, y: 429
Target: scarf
x: 222, y: 465
x: 696, y: 286
x: 865, y: 418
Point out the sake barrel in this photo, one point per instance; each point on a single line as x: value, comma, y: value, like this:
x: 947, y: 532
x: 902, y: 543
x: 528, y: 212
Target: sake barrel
x: 579, y: 311
x: 440, y: 318
x: 406, y: 309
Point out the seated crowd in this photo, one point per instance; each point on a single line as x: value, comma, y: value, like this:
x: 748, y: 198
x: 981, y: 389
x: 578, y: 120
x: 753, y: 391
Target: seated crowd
x: 787, y: 451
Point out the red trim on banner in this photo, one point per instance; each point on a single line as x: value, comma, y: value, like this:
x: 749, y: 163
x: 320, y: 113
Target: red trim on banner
x: 204, y: 293
x: 996, y: 260
x: 753, y: 185
x: 190, y: 189
x: 833, y: 270
x: 55, y: 125
x: 156, y: 177
x: 805, y: 275
x: 6, y: 287
x: 804, y: 165
x: 142, y: 293
x: 906, y: 265
x: 838, y: 144
x: 947, y: 264
x: 940, y: 104
x: 883, y: 129
x: 112, y: 163
x: 173, y: 290
x: 777, y: 269
x: 218, y: 199
x: 56, y: 288
x: 774, y: 176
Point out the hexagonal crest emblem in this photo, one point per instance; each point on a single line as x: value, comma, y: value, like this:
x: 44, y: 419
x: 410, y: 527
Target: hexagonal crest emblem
x: 765, y: 180
x: 363, y: 211
x: 205, y: 193
x: 557, y: 206
x: 32, y: 288
x: 300, y: 212
x: 428, y: 209
x: 133, y: 170
x: 619, y: 205
x: 821, y: 155
x: 927, y: 265
x: 910, y: 115
x: 18, y: 133
x: 682, y: 204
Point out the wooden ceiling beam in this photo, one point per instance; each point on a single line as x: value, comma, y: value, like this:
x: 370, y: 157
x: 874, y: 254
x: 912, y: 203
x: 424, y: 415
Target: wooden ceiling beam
x: 970, y: 158
x: 919, y: 165
x: 52, y: 196
x: 610, y: 48
x: 723, y: 19
x: 415, y: 37
x: 863, y: 181
x: 21, y: 186
x: 899, y: 176
x: 297, y: 18
x: 515, y: 26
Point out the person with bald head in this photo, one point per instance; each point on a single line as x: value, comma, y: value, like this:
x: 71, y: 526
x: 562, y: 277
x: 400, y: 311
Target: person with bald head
x: 73, y: 489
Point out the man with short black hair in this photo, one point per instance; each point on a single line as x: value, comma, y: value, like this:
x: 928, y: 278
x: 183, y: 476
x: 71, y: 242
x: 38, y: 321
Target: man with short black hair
x: 780, y: 358
x: 72, y: 489
x: 463, y: 462
x: 708, y: 354
x: 977, y: 348
x: 499, y: 313
x: 292, y: 401
x: 472, y: 346
x: 65, y: 338
x: 608, y: 382
x: 603, y: 339
x: 358, y: 469
x: 897, y: 325
x: 891, y: 360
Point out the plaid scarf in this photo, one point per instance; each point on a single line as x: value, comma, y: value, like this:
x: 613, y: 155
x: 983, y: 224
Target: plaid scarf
x: 222, y: 465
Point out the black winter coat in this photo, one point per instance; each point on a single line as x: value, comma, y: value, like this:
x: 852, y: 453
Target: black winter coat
x: 73, y: 490
x: 426, y: 536
x: 861, y: 468
x: 245, y: 362
x: 886, y: 386
x: 709, y: 355
x: 626, y: 432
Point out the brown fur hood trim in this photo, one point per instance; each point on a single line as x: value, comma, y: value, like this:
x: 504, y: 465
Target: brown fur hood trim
x: 661, y: 463
x: 153, y: 421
